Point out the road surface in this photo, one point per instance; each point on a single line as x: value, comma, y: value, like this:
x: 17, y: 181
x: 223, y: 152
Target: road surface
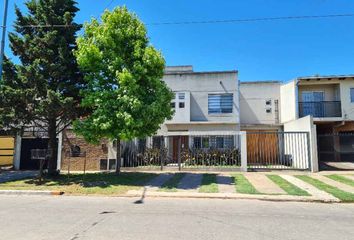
x: 76, y: 218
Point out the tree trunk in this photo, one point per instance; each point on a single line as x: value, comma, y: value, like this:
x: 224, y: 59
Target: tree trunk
x: 118, y: 162
x: 52, y: 147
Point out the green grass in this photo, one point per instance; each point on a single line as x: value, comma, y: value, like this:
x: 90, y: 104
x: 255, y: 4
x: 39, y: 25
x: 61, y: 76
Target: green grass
x: 78, y: 184
x: 342, y: 179
x: 342, y: 195
x: 172, y: 183
x: 209, y: 184
x: 288, y: 187
x: 243, y: 185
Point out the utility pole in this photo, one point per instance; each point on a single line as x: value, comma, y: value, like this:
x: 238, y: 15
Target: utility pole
x: 4, y: 22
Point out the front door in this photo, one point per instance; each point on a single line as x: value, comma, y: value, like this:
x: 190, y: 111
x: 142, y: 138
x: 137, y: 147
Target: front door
x: 184, y: 141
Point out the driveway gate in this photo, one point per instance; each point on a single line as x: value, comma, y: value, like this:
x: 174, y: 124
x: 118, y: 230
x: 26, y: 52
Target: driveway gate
x: 278, y: 150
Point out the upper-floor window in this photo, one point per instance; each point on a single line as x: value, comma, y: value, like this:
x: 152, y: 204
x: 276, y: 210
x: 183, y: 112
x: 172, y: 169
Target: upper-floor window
x: 352, y: 95
x: 181, y: 96
x: 220, y: 103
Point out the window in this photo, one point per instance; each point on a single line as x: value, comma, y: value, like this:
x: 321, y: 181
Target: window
x: 112, y: 164
x: 268, y: 102
x: 181, y: 105
x: 197, y: 142
x: 181, y: 96
x: 352, y: 95
x: 157, y: 142
x: 229, y: 142
x: 220, y: 103
x: 201, y: 142
x: 217, y: 142
x: 106, y: 164
x: 173, y: 105
x: 268, y: 110
x: 103, y: 164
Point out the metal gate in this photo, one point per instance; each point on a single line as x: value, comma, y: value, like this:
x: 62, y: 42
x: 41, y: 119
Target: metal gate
x: 336, y: 151
x: 278, y: 150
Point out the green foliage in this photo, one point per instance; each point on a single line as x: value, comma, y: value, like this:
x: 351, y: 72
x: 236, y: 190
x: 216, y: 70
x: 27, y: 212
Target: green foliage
x: 43, y: 88
x: 209, y: 184
x: 124, y: 73
x: 243, y: 185
x: 342, y: 179
x: 340, y: 194
x: 211, y: 157
x: 288, y: 187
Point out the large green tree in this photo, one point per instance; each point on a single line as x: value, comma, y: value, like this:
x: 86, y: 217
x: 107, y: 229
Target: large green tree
x: 42, y: 89
x: 124, y: 74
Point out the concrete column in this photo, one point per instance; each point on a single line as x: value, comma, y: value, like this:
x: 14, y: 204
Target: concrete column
x: 17, y: 155
x: 314, y: 152
x: 60, y: 148
x: 243, y: 137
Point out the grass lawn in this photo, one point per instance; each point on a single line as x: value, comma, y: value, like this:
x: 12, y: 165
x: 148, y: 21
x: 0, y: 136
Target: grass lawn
x: 209, y: 184
x: 288, y: 187
x: 342, y: 195
x: 243, y: 185
x: 172, y: 183
x: 342, y: 179
x: 93, y: 183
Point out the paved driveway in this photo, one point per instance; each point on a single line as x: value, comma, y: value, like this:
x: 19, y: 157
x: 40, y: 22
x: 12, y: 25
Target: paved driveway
x: 8, y: 176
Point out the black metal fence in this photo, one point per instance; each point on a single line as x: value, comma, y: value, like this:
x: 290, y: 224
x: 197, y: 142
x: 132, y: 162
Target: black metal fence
x: 320, y: 109
x: 278, y: 150
x: 198, y: 151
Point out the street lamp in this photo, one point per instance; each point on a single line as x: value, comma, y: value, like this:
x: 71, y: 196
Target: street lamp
x: 3, y: 37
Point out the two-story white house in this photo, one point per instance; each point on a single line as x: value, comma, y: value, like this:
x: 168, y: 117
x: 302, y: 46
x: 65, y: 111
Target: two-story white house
x: 206, y: 106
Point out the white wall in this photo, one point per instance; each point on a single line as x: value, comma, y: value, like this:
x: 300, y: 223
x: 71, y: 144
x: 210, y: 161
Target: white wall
x: 304, y: 124
x: 200, y: 85
x: 347, y: 105
x: 253, y: 97
x: 182, y: 115
x: 288, y: 102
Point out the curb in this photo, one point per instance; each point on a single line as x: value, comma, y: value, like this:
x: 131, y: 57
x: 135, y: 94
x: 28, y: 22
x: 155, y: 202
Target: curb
x: 31, y: 192
x: 271, y: 198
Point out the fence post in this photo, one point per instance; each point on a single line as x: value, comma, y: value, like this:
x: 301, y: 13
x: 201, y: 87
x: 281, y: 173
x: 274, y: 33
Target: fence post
x: 179, y: 154
x: 243, y: 136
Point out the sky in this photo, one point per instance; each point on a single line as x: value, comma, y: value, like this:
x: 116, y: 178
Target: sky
x: 271, y: 50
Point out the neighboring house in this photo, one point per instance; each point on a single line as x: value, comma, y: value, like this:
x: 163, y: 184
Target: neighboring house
x: 329, y: 100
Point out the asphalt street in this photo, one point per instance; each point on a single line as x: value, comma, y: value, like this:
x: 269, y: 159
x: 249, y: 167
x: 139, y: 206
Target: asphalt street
x: 75, y: 218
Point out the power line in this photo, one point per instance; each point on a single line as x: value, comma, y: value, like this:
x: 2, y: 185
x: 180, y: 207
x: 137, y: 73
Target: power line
x: 109, y: 4
x: 254, y: 19
x: 245, y: 20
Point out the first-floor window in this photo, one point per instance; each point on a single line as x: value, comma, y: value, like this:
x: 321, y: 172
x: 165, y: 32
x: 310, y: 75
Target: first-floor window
x: 157, y: 142
x: 201, y: 142
x: 352, y: 95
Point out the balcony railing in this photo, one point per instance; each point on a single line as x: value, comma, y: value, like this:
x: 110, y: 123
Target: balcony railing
x: 320, y: 109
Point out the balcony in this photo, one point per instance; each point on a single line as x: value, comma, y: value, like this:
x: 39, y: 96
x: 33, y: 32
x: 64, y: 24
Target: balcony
x: 322, y: 109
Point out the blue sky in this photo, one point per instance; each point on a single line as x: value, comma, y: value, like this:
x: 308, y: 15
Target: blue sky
x: 277, y: 50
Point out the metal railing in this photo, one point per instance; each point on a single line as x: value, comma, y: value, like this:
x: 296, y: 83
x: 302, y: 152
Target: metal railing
x: 320, y: 109
x: 200, y: 152
x: 278, y: 150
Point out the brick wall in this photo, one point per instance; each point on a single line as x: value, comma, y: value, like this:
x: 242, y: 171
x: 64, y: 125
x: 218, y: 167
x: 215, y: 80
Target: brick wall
x: 93, y: 153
